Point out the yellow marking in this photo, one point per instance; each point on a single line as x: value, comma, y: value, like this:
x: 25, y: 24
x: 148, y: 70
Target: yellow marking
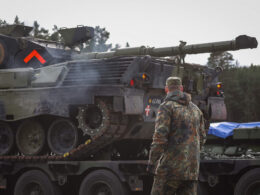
x: 88, y: 142
x: 66, y: 154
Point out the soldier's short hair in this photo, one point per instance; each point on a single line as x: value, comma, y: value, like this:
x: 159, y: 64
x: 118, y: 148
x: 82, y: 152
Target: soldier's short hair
x: 173, y: 81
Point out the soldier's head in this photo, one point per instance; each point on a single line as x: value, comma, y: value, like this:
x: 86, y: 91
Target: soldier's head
x: 173, y: 84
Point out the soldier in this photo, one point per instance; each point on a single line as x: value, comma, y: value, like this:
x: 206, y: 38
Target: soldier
x: 178, y: 137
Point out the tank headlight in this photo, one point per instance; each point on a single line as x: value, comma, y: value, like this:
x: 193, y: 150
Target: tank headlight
x: 144, y: 76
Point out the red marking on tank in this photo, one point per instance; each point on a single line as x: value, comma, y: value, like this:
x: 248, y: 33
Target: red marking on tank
x: 34, y: 53
x: 147, y: 110
x: 132, y: 83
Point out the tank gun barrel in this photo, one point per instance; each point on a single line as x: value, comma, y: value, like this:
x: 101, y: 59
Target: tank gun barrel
x: 240, y: 42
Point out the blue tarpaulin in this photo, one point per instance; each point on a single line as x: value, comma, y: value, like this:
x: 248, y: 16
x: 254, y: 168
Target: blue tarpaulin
x: 225, y: 129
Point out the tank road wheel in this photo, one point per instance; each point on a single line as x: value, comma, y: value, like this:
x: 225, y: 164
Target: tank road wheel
x: 30, y: 137
x: 101, y: 182
x: 6, y: 139
x: 94, y: 120
x: 62, y: 136
x: 249, y: 183
x: 35, y: 182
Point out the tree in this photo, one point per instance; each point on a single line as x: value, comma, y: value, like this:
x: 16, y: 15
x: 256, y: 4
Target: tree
x: 17, y: 21
x: 117, y: 46
x: 38, y: 32
x: 55, y: 36
x: 98, y: 43
x: 2, y: 22
x: 222, y: 59
x: 242, y: 93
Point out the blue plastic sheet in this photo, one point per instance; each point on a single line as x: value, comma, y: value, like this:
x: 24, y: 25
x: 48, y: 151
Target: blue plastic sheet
x: 225, y: 129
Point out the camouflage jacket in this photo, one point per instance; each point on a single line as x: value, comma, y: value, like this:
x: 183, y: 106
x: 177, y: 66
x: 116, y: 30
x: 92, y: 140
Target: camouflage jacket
x: 179, y: 134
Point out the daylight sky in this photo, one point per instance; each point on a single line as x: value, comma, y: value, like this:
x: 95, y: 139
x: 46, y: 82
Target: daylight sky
x: 155, y: 23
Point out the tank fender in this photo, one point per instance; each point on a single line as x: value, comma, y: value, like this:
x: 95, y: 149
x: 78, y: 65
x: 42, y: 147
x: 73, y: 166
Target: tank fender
x: 217, y: 107
x: 134, y: 104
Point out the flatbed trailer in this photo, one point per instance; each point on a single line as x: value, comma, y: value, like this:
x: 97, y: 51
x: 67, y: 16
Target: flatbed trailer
x: 75, y: 177
x: 230, y: 176
x: 217, y: 176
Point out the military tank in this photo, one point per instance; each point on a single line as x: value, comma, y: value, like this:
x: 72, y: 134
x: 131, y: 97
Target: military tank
x: 98, y: 102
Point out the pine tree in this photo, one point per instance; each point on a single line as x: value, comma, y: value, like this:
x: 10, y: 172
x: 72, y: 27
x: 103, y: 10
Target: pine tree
x: 55, y: 36
x: 2, y: 22
x: 17, y: 21
x: 98, y: 42
x: 242, y: 93
x: 35, y: 28
x: 40, y: 33
x: 222, y: 59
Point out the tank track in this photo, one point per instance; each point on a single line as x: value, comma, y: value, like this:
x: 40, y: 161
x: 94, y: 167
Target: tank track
x: 90, y: 147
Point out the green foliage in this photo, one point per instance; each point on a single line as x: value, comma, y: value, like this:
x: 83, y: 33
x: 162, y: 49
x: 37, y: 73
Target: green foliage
x: 100, y: 38
x: 242, y: 93
x: 222, y: 59
x: 98, y: 43
x: 2, y: 22
x: 40, y: 33
x: 55, y: 36
x: 17, y: 21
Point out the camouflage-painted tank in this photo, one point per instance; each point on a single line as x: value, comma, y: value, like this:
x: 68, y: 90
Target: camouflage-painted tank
x: 16, y: 44
x: 110, y: 98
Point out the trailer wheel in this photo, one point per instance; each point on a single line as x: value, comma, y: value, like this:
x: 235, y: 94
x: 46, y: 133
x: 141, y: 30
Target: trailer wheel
x: 101, y: 182
x: 35, y: 182
x: 249, y: 183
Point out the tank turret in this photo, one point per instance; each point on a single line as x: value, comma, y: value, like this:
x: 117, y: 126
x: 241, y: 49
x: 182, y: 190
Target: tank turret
x: 240, y: 42
x: 16, y: 45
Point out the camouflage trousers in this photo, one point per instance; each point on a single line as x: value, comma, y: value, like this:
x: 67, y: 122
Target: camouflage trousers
x: 173, y: 187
